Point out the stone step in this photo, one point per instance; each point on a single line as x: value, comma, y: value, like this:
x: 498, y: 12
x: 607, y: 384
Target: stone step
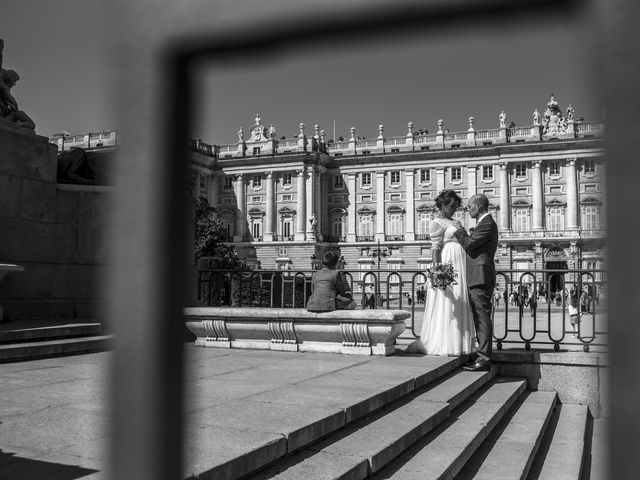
x: 50, y: 348
x: 305, y: 413
x: 599, y: 467
x: 512, y: 455
x: 63, y: 330
x: 565, y: 456
x: 368, y: 445
x: 443, y: 452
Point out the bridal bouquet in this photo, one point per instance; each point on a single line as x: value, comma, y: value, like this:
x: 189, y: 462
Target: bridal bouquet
x: 442, y: 276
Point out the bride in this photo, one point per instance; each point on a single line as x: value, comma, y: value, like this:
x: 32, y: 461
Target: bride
x: 447, y: 328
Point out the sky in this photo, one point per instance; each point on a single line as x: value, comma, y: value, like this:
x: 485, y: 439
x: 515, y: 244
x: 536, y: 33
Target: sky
x: 62, y: 49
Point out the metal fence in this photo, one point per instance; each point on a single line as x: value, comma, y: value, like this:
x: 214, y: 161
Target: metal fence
x: 539, y: 308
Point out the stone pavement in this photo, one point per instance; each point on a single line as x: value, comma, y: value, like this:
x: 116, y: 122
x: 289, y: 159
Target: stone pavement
x: 54, y: 421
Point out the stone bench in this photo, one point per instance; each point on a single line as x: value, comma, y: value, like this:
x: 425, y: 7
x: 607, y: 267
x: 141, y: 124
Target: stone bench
x: 356, y: 332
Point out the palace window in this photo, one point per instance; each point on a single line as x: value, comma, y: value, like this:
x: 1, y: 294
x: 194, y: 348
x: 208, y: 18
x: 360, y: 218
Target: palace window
x: 487, y: 172
x: 456, y: 174
x: 395, y: 197
x: 337, y: 226
x: 256, y: 181
x: 521, y: 170
x: 286, y: 179
x: 424, y: 222
x: 287, y: 226
x: 256, y: 228
x: 554, y: 168
x: 287, y: 198
x: 228, y: 183
x: 365, y: 226
x: 521, y: 219
x: 425, y: 175
x: 338, y: 181
x: 365, y: 179
x: 590, y: 217
x: 555, y: 218
x: 366, y: 198
x: 395, y: 178
x: 256, y: 150
x: 395, y: 224
x: 256, y: 199
x: 589, y: 166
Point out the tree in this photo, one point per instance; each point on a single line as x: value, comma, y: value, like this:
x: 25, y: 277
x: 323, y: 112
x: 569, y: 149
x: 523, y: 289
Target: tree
x: 211, y: 235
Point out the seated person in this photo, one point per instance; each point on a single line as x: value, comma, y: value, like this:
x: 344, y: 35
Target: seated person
x: 329, y: 290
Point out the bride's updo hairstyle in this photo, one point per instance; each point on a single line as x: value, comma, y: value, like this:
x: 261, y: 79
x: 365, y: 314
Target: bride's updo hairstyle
x: 447, y: 198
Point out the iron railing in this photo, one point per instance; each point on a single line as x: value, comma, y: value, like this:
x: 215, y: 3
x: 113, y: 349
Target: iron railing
x: 531, y: 307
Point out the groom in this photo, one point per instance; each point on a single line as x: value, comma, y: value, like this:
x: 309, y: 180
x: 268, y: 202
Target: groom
x: 480, y: 245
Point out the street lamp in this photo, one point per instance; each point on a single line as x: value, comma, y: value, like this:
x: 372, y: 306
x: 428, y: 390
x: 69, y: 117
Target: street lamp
x: 378, y: 253
x: 314, y: 262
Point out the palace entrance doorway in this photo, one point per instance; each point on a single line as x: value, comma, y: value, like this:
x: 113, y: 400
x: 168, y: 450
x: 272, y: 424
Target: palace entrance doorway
x: 555, y: 280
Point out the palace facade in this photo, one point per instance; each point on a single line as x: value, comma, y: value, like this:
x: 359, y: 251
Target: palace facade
x: 286, y: 201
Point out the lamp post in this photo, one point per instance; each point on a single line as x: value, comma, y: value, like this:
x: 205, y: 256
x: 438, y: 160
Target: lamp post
x: 314, y: 262
x: 378, y: 253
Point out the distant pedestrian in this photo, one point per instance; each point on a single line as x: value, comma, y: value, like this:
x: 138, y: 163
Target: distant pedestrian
x: 574, y: 314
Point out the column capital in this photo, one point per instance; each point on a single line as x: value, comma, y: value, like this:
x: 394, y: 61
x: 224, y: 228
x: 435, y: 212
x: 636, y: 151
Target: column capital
x: 239, y: 176
x: 504, y: 165
x: 380, y: 173
x: 536, y: 163
x: 269, y: 173
x: 352, y: 176
x: 410, y: 171
x: 300, y: 171
x: 571, y: 161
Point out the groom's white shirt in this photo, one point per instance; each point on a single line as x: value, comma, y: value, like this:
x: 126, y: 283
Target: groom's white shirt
x: 485, y: 214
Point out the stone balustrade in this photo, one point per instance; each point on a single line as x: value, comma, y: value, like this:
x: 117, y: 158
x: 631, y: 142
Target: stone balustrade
x: 355, y: 332
x: 448, y: 140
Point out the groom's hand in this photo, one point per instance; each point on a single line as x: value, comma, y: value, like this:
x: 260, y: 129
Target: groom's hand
x: 457, y: 224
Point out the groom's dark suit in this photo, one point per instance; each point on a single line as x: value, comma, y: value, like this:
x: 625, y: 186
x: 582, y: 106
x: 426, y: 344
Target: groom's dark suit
x: 481, y: 246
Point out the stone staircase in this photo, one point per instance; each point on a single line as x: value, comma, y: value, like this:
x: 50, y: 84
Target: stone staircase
x: 452, y: 424
x: 50, y: 337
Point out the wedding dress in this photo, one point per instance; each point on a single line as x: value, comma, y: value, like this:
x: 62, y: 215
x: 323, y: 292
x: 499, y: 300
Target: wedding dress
x: 447, y: 328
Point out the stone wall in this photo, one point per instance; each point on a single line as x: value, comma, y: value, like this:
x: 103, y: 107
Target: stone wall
x: 55, y: 231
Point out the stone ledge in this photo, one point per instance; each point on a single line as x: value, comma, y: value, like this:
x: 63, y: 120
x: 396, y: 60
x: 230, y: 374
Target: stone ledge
x: 356, y: 332
x: 593, y: 359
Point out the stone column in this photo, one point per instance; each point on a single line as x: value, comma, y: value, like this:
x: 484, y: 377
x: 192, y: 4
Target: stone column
x: 241, y: 202
x: 312, y: 184
x: 270, y: 209
x: 472, y: 179
x: 214, y: 188
x: 572, y: 195
x: 410, y: 234
x: 505, y: 210
x: 439, y: 180
x: 302, y: 206
x: 538, y: 197
x: 351, y: 211
x: 380, y: 215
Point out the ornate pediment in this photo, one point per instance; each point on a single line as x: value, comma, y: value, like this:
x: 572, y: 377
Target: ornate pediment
x: 556, y: 203
x: 255, y: 212
x: 395, y: 209
x: 520, y: 203
x: 286, y: 211
x: 426, y: 208
x: 591, y: 201
x: 366, y: 211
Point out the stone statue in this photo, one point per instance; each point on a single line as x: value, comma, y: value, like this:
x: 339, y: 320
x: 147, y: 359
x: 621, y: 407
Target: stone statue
x: 570, y: 113
x: 536, y: 117
x: 553, y: 121
x: 257, y: 119
x: 272, y: 131
x: 241, y: 135
x: 314, y: 223
x: 503, y: 119
x: 8, y: 105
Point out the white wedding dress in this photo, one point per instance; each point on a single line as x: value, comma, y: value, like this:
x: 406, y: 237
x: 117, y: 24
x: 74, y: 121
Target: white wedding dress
x: 447, y: 328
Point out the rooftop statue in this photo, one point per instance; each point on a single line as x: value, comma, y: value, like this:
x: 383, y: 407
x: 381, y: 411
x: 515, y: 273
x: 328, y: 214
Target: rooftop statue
x: 8, y: 105
x: 553, y: 121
